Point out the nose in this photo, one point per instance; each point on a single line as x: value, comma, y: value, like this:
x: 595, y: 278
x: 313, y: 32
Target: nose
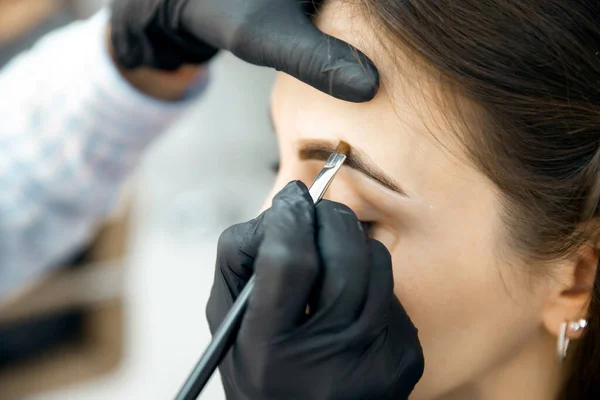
x: 296, y: 172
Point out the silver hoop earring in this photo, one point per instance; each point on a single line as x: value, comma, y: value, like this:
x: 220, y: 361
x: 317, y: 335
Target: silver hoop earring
x: 562, y: 345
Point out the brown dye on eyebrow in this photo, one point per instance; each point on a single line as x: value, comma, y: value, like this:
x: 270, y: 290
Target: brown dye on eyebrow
x: 343, y: 148
x: 320, y: 150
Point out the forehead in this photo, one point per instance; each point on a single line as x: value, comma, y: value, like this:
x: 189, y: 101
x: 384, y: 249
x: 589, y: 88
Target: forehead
x: 401, y: 129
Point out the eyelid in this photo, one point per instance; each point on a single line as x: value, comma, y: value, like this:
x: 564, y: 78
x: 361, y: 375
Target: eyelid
x: 375, y: 187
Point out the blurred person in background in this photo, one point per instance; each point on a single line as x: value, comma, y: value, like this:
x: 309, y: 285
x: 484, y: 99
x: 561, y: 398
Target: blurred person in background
x: 482, y: 218
x: 78, y: 109
x: 22, y: 22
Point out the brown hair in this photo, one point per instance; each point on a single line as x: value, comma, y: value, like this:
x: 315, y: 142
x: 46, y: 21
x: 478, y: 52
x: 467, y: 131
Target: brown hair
x: 533, y: 68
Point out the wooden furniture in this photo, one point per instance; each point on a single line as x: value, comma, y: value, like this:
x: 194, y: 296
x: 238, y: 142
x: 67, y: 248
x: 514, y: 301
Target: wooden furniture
x: 95, y: 291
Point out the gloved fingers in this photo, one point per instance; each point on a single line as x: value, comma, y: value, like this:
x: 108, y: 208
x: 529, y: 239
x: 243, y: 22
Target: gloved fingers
x: 236, y: 251
x: 381, y: 292
x: 129, y: 49
x: 382, y: 309
x: 400, y: 326
x: 287, y: 40
x: 286, y: 267
x: 380, y: 289
x: 404, y: 354
x: 406, y: 347
x: 344, y: 253
x: 219, y: 302
x: 311, y: 7
x: 328, y: 64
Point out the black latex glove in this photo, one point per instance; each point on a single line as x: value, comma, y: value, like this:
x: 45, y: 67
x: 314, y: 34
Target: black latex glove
x: 165, y: 34
x: 357, y: 342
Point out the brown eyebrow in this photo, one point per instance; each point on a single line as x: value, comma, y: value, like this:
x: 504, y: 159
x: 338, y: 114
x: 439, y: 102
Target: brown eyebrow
x: 356, y: 159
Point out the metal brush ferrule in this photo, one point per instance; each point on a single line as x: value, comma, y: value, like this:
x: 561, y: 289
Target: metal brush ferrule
x: 323, y: 180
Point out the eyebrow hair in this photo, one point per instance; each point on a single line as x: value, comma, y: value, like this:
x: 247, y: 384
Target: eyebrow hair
x: 356, y: 159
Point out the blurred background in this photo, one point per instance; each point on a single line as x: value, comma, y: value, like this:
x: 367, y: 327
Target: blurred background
x: 126, y: 319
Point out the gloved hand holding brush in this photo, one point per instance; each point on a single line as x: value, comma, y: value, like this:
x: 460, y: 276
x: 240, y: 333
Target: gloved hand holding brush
x: 357, y: 341
x: 167, y: 34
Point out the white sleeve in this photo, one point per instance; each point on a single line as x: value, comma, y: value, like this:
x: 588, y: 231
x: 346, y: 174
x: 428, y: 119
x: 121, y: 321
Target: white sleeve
x: 71, y: 128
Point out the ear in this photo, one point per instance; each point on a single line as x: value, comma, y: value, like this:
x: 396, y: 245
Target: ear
x: 570, y: 294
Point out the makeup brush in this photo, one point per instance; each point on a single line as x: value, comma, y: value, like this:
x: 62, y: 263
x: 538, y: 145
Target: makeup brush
x: 225, y: 336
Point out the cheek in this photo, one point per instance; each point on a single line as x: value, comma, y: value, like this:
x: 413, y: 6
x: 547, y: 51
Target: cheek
x: 434, y: 277
x: 464, y: 302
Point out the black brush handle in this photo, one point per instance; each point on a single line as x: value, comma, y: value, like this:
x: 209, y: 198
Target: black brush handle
x: 225, y: 336
x: 222, y: 341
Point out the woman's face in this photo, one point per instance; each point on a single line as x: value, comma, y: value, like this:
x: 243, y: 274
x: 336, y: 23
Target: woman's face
x: 439, y: 217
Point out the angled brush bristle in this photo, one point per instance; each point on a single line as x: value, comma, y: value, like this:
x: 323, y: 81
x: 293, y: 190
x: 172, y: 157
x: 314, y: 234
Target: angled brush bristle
x: 343, y: 148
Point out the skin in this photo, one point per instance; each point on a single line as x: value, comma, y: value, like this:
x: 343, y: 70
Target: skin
x: 488, y: 329
x: 162, y: 85
x: 17, y: 17
x: 487, y: 324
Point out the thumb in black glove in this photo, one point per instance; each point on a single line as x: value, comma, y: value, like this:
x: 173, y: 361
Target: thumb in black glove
x: 165, y: 34
x: 357, y: 342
